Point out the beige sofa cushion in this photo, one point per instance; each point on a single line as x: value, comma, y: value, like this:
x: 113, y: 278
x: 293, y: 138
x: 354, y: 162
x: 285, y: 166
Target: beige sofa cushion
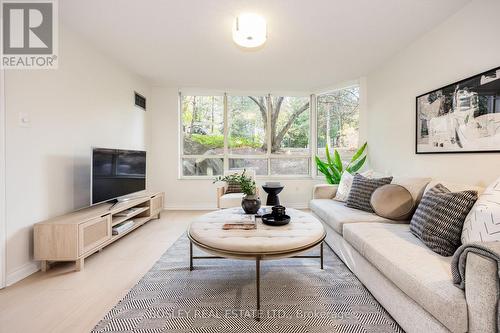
x: 454, y: 187
x: 336, y: 214
x: 420, y: 273
x: 415, y: 185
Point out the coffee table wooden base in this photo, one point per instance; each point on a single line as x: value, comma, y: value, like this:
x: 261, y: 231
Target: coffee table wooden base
x: 253, y: 256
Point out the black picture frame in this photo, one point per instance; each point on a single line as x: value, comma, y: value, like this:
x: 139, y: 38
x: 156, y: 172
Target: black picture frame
x: 477, y: 93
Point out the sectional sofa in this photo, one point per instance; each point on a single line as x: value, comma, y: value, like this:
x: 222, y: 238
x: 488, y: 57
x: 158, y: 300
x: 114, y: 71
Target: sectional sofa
x: 413, y: 283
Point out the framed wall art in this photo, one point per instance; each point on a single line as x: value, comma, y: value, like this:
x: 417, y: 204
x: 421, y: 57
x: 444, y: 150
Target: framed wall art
x: 463, y: 117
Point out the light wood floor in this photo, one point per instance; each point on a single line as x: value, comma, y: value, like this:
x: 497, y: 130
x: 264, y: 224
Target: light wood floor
x: 62, y: 300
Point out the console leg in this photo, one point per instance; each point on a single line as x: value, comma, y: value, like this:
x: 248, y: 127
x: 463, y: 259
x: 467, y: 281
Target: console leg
x: 79, y: 264
x: 321, y: 254
x: 257, y: 278
x: 191, y: 256
x: 45, y: 265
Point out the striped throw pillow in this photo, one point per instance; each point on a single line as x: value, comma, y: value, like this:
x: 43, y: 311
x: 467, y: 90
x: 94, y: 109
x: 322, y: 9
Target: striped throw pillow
x: 439, y: 218
x: 362, y: 189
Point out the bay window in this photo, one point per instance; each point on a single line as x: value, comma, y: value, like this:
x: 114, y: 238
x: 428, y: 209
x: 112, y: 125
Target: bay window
x: 337, y: 121
x: 246, y: 125
x: 202, y: 122
x: 268, y: 133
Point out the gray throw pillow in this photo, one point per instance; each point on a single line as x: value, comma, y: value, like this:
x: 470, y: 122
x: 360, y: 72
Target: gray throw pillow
x: 362, y: 189
x: 439, y: 218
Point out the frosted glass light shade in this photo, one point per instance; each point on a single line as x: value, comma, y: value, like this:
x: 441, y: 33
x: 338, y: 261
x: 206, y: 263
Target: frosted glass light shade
x: 249, y: 30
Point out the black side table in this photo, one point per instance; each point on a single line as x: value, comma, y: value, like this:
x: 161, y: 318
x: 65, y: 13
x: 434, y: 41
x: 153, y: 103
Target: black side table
x: 272, y: 194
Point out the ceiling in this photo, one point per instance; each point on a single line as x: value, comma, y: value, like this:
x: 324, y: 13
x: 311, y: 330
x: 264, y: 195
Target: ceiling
x: 311, y: 44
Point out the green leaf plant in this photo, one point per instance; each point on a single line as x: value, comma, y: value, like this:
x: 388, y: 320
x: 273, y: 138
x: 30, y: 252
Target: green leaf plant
x: 333, y: 167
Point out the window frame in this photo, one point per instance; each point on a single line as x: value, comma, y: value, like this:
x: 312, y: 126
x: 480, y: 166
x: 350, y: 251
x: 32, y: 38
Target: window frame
x: 313, y: 173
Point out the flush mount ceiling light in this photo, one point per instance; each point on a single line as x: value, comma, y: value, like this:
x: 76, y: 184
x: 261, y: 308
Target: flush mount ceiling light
x: 249, y: 30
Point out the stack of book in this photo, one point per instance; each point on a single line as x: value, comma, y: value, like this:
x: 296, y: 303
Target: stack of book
x: 239, y: 222
x: 122, y: 227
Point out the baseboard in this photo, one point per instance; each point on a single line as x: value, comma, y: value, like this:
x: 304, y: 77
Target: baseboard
x: 22, y: 272
x: 209, y: 206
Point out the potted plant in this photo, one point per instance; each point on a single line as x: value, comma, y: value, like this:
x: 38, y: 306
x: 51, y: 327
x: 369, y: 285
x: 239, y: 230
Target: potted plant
x: 250, y: 202
x: 333, y: 168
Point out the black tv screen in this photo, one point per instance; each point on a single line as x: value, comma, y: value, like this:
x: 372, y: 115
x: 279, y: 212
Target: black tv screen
x: 116, y: 173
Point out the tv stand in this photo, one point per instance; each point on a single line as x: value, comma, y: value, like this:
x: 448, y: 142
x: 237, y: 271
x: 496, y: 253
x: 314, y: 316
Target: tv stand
x: 77, y: 235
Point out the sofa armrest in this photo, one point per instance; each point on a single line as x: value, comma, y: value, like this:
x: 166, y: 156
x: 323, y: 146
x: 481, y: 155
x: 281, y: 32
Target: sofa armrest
x: 481, y: 293
x: 324, y: 191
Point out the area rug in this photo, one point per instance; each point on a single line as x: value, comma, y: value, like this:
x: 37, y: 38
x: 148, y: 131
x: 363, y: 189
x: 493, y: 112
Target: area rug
x: 219, y: 296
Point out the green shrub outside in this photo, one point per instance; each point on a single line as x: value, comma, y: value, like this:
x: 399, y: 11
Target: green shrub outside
x: 217, y: 141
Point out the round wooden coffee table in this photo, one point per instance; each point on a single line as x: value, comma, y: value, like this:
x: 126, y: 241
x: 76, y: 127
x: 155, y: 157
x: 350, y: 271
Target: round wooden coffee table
x: 263, y: 243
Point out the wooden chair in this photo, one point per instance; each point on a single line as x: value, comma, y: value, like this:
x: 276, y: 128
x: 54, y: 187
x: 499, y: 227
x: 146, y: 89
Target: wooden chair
x: 228, y: 200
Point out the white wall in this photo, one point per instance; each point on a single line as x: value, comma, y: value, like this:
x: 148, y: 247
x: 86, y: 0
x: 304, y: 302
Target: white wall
x: 464, y: 45
x: 87, y: 102
x: 189, y: 193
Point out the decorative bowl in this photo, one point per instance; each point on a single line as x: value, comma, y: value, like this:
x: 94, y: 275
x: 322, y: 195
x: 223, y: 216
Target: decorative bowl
x: 270, y: 219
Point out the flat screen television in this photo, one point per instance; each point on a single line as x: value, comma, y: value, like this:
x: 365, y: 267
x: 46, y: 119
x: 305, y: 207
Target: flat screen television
x: 116, y: 173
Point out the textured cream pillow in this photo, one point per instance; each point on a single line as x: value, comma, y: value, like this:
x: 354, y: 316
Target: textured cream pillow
x: 345, y: 184
x: 482, y: 224
x: 344, y: 187
x: 393, y: 202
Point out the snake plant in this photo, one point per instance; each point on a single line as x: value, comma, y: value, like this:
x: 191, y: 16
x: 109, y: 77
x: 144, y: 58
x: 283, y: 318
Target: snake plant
x: 333, y: 168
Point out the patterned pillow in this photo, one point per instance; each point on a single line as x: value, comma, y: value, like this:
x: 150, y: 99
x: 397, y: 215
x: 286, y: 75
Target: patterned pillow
x: 362, y: 189
x: 346, y: 182
x: 483, y: 222
x: 233, y: 187
x: 344, y: 187
x: 439, y: 218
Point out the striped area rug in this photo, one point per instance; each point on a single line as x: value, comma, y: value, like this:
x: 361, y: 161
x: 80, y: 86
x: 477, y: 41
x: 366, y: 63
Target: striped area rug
x: 219, y: 296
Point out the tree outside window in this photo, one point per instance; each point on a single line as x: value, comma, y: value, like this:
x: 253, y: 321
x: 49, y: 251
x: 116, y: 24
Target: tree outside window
x: 270, y: 134
x: 338, y: 121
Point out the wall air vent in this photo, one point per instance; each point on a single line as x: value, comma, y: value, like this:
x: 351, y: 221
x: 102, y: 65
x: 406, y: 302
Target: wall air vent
x: 140, y: 101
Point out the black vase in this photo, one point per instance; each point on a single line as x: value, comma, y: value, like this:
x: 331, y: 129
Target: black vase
x: 250, y: 204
